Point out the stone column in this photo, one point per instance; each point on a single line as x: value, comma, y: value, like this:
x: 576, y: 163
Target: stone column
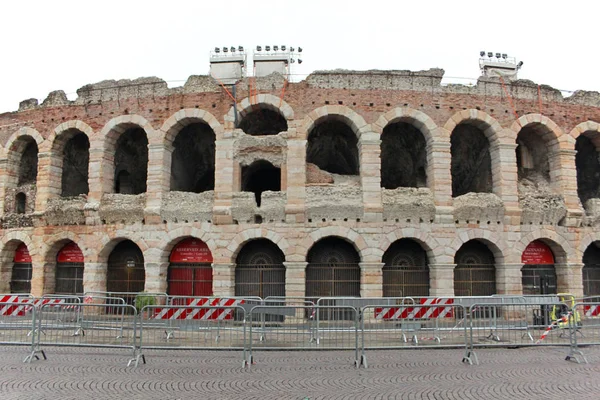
x: 295, y: 279
x: 371, y: 279
x: 439, y: 179
x: 570, y: 278
x: 370, y: 176
x: 223, y: 182
x: 98, y: 179
x: 296, y: 181
x: 504, y: 171
x: 509, y: 279
x: 223, y: 280
x: 4, y: 181
x: 158, y: 181
x: 441, y: 278
x: 46, y: 184
x: 38, y: 275
x: 564, y: 172
x: 94, y: 277
x: 49, y: 278
x: 156, y: 277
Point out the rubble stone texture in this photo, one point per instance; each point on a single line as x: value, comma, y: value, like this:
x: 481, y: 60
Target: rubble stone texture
x: 367, y: 157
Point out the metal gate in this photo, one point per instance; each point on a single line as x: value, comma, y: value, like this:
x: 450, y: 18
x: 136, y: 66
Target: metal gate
x: 539, y: 279
x: 405, y: 272
x: 125, y: 272
x: 474, y: 280
x: 591, y: 279
x: 69, y: 278
x: 20, y: 281
x: 190, y: 280
x: 259, y: 280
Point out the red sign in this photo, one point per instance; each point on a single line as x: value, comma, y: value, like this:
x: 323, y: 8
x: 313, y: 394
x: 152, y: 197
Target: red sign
x: 22, y: 254
x: 71, y: 253
x: 191, y: 251
x: 537, y: 253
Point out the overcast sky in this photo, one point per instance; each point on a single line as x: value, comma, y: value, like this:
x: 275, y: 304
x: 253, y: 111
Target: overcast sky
x: 59, y: 44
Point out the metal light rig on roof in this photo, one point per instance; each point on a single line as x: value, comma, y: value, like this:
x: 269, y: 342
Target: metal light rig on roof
x: 499, y: 66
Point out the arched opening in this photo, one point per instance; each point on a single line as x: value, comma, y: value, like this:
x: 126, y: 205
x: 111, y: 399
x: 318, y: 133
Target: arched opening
x: 69, y: 270
x: 190, y: 270
x: 532, y: 159
x: 193, y: 159
x: 406, y: 270
x: 259, y: 177
x: 20, y: 281
x: 475, y: 271
x: 263, y: 121
x: 29, y: 164
x: 403, y: 157
x: 538, y: 273
x: 591, y: 270
x: 471, y: 165
x: 76, y: 157
x: 587, y: 163
x: 20, y: 203
x: 333, y: 147
x: 131, y: 162
x: 126, y: 273
x: 259, y: 270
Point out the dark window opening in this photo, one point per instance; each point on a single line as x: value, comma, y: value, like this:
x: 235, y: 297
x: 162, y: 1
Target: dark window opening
x: 69, y: 278
x: 263, y: 122
x: 532, y: 158
x: 259, y: 270
x: 76, y: 157
x: 475, y: 271
x: 587, y: 162
x: 20, y: 203
x: 403, y: 157
x: 125, y: 272
x: 471, y: 165
x: 131, y: 157
x: 406, y: 271
x: 28, y: 165
x: 260, y: 177
x: 193, y: 159
x: 333, y: 147
x: 20, y: 281
x: 591, y: 270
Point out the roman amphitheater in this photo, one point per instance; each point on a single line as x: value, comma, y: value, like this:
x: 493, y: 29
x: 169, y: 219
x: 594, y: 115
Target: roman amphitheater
x: 347, y: 183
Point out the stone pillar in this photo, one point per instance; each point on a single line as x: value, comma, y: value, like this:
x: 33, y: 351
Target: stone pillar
x: 441, y: 278
x: 158, y: 181
x: 38, y: 275
x: 439, y: 179
x: 296, y: 181
x: 46, y: 184
x: 94, y: 277
x: 564, y: 172
x: 49, y: 278
x: 570, y: 278
x: 371, y: 279
x: 223, y: 280
x: 295, y: 279
x: 370, y: 176
x: 4, y: 181
x: 156, y: 277
x: 504, y: 171
x: 98, y: 179
x: 224, y: 172
x: 509, y: 279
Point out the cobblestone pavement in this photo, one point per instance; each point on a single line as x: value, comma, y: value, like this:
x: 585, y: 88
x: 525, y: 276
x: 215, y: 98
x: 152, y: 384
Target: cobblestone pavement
x: 526, y: 373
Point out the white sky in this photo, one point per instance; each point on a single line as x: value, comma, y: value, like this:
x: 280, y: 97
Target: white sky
x: 60, y: 44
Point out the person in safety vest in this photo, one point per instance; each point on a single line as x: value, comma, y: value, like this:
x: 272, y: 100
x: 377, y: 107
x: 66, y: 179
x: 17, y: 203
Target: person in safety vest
x: 562, y: 310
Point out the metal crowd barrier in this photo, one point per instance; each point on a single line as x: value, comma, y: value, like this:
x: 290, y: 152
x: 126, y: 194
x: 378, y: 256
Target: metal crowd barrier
x: 131, y: 298
x: 17, y: 321
x: 192, y: 328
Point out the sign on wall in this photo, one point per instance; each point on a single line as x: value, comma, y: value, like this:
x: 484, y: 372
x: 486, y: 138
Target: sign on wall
x: 537, y: 252
x: 22, y: 254
x: 71, y: 253
x: 192, y: 251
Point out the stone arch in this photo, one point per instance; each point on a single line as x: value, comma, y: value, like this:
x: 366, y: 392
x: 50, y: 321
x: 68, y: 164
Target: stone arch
x: 107, y: 245
x: 183, y: 118
x: 488, y: 124
x: 342, y: 232
x: 426, y: 241
x: 56, y: 242
x: 10, y: 242
x: 492, y: 240
x: 587, y: 126
x: 245, y: 236
x: 177, y: 235
x: 587, y: 163
x: 418, y: 119
x: 265, y: 100
x: 554, y: 133
x: 58, y: 138
x: 342, y: 113
x: 559, y: 245
x: 585, y: 242
x: 13, y: 141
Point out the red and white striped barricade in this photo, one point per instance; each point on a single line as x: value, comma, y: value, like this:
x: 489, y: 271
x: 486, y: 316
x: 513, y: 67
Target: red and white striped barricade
x: 414, y: 315
x: 591, y: 310
x: 12, y: 305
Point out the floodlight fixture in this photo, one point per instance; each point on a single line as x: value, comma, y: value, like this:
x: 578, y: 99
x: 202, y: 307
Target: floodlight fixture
x: 225, y: 49
x: 504, y: 55
x: 258, y: 48
x: 520, y: 64
x: 299, y: 61
x: 217, y: 50
x: 482, y: 53
x: 292, y: 49
x: 283, y: 48
x: 232, y: 49
x: 240, y: 48
x: 267, y: 48
x: 498, y: 55
x: 299, y: 49
x: 490, y: 54
x: 292, y: 61
x: 275, y: 48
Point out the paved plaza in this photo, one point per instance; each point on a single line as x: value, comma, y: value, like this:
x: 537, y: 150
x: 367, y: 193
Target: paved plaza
x: 526, y: 373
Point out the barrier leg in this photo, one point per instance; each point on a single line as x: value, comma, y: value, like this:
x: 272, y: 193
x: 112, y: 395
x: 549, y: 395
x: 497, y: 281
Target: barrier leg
x: 574, y: 353
x: 35, y: 345
x: 470, y: 356
x: 363, y: 357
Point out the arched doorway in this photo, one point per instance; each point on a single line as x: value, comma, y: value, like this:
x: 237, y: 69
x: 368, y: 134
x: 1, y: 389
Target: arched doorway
x: 126, y: 273
x: 591, y: 270
x: 259, y: 270
x: 475, y: 271
x: 69, y: 270
x: 20, y: 281
x: 333, y: 269
x: 538, y: 273
x: 190, y: 270
x: 406, y: 270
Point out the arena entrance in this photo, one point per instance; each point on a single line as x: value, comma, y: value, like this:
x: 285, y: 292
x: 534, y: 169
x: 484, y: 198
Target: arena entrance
x: 126, y: 273
x: 259, y: 270
x: 20, y: 281
x: 475, y: 271
x: 538, y: 272
x: 406, y: 271
x: 69, y: 270
x: 190, y: 270
x: 591, y: 271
